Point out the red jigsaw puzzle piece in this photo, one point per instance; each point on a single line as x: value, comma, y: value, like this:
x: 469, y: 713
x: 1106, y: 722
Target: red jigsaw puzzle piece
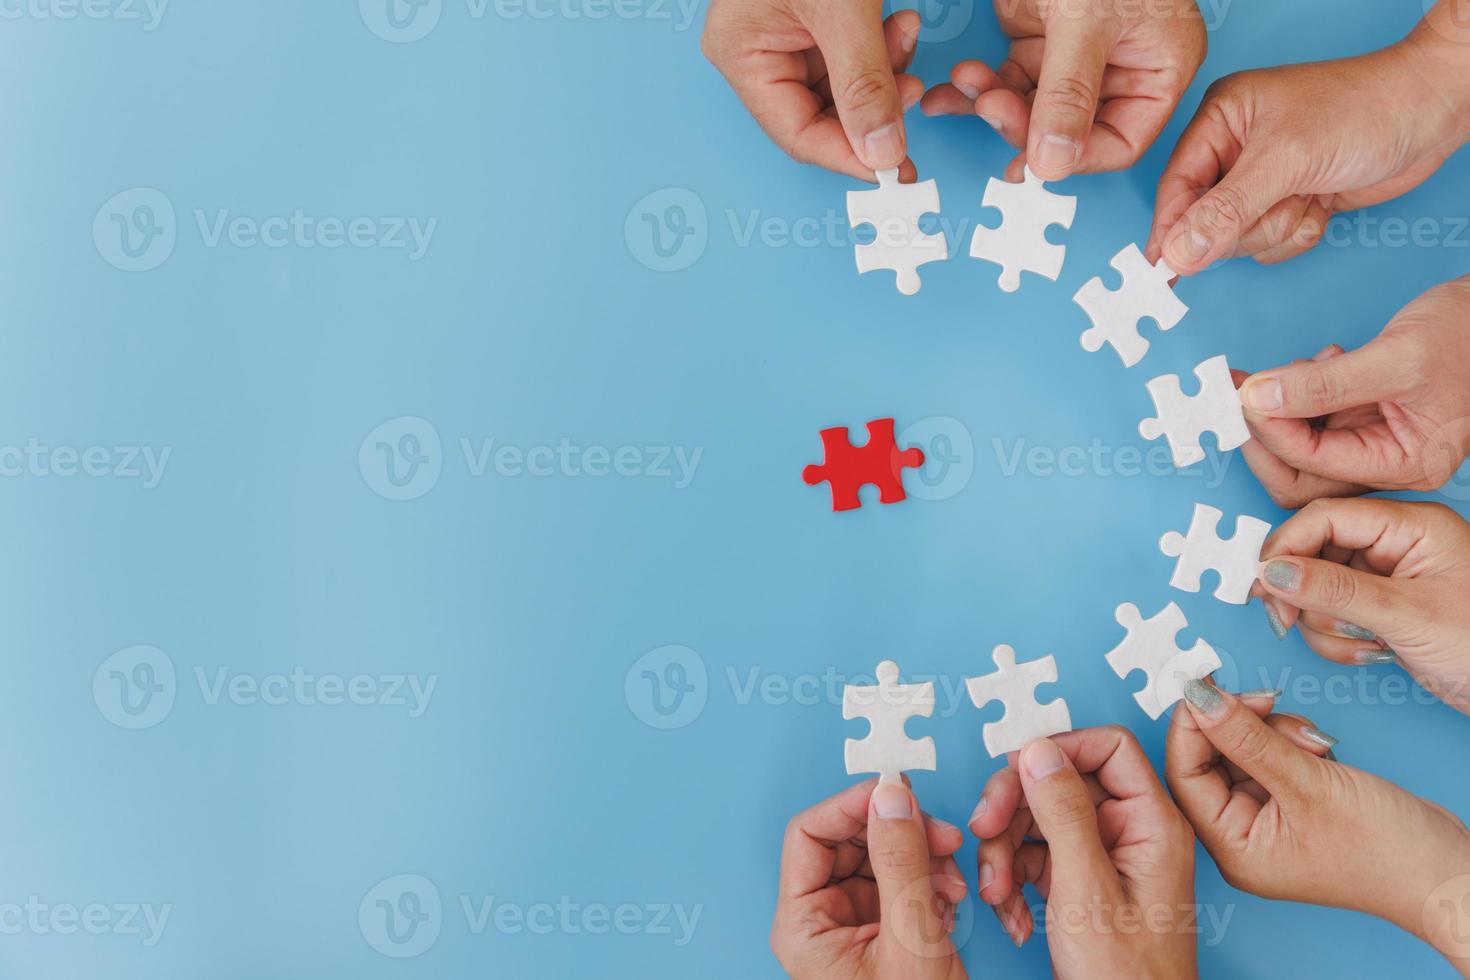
x: 846, y: 468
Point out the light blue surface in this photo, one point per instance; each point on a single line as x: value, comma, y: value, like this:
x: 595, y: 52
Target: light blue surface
x: 264, y: 546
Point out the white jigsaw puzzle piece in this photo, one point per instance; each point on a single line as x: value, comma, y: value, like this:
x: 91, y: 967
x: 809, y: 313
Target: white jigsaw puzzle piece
x: 899, y: 243
x: 1015, y: 686
x: 1152, y: 647
x: 1115, y: 314
x: 888, y: 705
x: 1183, y: 419
x: 1236, y: 559
x: 1019, y: 244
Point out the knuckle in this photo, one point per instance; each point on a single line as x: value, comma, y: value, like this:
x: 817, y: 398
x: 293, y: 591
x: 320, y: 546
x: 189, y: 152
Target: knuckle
x: 865, y: 88
x: 1336, y: 587
x: 1225, y: 207
x: 1321, y: 391
x: 1072, y: 97
x: 1070, y: 810
x: 898, y: 858
x: 1249, y: 744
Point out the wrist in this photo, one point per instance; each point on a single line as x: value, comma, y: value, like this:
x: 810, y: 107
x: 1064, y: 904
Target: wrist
x: 1436, y: 907
x: 1438, y: 50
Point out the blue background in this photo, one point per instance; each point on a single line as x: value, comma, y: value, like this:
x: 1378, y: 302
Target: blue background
x: 534, y: 317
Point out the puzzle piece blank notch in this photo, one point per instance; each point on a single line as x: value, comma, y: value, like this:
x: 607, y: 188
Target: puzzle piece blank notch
x: 846, y: 468
x: 894, y: 210
x: 887, y: 749
x: 1151, y: 646
x: 1019, y: 244
x: 1184, y: 418
x: 1115, y: 314
x: 1235, y: 559
x: 1015, y: 686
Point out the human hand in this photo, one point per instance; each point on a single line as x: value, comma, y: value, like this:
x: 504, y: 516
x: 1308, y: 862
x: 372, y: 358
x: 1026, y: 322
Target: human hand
x: 1086, y: 87
x: 1284, y: 820
x: 1392, y: 415
x: 824, y: 78
x: 1272, y: 154
x: 868, y: 888
x: 1110, y: 853
x: 1371, y: 581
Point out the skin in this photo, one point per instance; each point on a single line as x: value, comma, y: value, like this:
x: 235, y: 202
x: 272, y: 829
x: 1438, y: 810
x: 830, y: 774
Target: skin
x: 1391, y: 415
x: 1084, y: 818
x: 1087, y: 86
x: 1395, y: 572
x: 1271, y: 155
x: 864, y: 895
x: 1285, y: 823
x: 826, y: 79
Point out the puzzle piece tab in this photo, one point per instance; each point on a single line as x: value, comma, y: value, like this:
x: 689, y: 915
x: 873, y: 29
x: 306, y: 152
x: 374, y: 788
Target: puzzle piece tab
x: 1015, y: 685
x: 1202, y: 549
x: 1183, y: 419
x: 887, y: 749
x: 1019, y: 244
x: 899, y: 244
x: 1152, y: 648
x: 1115, y: 313
x: 879, y: 461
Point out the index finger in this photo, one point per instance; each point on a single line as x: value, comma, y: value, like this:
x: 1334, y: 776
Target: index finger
x: 809, y: 850
x: 1113, y: 755
x: 1201, y: 785
x: 1381, y: 531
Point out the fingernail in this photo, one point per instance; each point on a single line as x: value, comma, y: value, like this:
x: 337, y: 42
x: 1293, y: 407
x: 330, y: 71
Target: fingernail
x: 1370, y: 657
x: 1203, y: 696
x: 1277, y: 626
x: 968, y: 91
x: 1189, y: 245
x: 1318, y: 736
x: 994, y: 124
x: 987, y: 875
x: 909, y: 102
x: 1265, y: 692
x: 1265, y: 395
x: 908, y: 41
x: 979, y: 810
x: 892, y: 801
x: 1041, y: 758
x: 883, y: 147
x: 1058, y: 153
x: 1283, y: 575
x: 1356, y: 632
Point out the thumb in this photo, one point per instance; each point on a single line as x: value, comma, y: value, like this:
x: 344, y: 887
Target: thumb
x: 1065, y: 815
x: 1374, y: 602
x: 1213, y: 225
x: 1311, y: 389
x: 1072, y: 65
x: 850, y: 37
x: 898, y: 850
x: 1267, y: 756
